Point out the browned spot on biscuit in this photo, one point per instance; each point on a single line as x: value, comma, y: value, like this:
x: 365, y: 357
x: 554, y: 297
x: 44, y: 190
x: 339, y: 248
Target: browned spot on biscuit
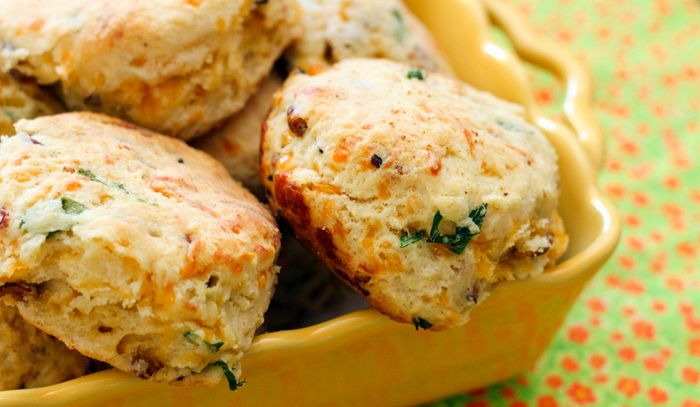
x: 146, y: 364
x: 4, y: 218
x: 19, y: 291
x: 296, y: 124
x: 291, y: 197
x: 325, y: 239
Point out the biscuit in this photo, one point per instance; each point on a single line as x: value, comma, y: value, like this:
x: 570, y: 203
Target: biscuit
x: 32, y: 358
x: 236, y: 144
x: 132, y: 247
x: 22, y: 100
x: 178, y: 67
x: 333, y: 30
x: 417, y: 190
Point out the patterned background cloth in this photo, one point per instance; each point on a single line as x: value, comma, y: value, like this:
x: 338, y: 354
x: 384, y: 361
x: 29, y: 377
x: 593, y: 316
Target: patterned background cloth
x: 633, y: 339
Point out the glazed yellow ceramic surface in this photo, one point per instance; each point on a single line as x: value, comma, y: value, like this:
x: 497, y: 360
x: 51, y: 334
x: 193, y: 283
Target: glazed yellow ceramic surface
x: 363, y: 357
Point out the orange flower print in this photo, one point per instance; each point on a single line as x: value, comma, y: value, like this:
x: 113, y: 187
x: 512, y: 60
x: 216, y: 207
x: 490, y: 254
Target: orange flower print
x: 690, y: 403
x: 554, y: 381
x: 657, y: 395
x: 654, y: 364
x: 643, y: 330
x: 597, y: 361
x: 627, y: 353
x: 581, y: 394
x: 547, y: 401
x: 694, y: 347
x: 578, y: 334
x: 629, y: 386
x: 569, y: 364
x: 690, y: 375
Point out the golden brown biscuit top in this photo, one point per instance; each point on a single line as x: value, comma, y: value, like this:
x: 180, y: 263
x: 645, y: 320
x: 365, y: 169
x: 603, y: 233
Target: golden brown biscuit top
x: 133, y: 38
x: 101, y: 184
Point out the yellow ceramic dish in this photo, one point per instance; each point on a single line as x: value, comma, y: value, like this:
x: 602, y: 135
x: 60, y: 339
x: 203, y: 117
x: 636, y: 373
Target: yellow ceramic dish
x: 363, y: 357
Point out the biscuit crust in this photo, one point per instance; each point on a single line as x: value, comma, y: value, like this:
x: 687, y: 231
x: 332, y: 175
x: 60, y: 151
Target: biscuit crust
x: 333, y: 30
x: 132, y: 247
x: 32, y: 358
x: 178, y: 67
x: 385, y: 172
x: 22, y: 100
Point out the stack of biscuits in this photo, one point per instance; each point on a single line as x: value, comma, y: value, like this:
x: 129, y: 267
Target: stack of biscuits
x: 150, y: 149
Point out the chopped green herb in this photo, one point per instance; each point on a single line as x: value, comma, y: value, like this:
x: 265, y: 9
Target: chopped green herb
x: 478, y: 214
x: 233, y: 383
x: 52, y: 234
x: 416, y: 74
x: 72, y: 207
x: 400, y: 31
x: 408, y: 238
x: 9, y: 115
x: 457, y: 242
x: 421, y: 323
x: 21, y: 223
x: 93, y: 177
x: 193, y: 338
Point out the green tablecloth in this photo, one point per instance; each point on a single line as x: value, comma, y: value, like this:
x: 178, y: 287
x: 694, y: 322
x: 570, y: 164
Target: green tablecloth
x: 634, y: 337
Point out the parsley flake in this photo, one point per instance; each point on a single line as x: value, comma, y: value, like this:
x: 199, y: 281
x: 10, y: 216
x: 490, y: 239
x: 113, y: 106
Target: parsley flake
x: 408, y: 238
x: 72, y: 207
x: 457, y: 242
x: 195, y: 339
x: 416, y: 74
x: 233, y: 383
x: 421, y: 323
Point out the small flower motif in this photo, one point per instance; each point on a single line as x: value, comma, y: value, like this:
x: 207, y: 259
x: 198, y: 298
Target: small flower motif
x: 654, y: 364
x: 690, y: 375
x: 627, y: 353
x: 554, y: 381
x: 694, y: 347
x: 643, y: 330
x: 597, y: 360
x: 569, y: 364
x: 508, y: 393
x: 657, y: 395
x: 578, y: 334
x: 547, y: 401
x: 628, y: 386
x: 581, y: 394
x: 596, y: 305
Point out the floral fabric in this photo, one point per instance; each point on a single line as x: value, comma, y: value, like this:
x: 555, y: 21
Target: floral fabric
x: 633, y: 339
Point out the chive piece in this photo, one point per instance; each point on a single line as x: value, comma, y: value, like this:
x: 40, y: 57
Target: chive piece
x: 195, y: 339
x: 421, y: 323
x: 478, y: 214
x: 400, y: 31
x: 72, y: 207
x: 52, y: 234
x: 408, y: 238
x: 93, y: 177
x: 233, y: 383
x: 416, y: 74
x: 457, y: 242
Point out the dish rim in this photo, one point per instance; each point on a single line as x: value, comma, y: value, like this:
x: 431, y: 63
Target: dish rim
x: 588, y: 154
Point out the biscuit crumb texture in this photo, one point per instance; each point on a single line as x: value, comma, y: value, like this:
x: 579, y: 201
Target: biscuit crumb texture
x: 22, y: 100
x: 132, y: 247
x: 177, y: 67
x: 395, y: 170
x: 32, y: 358
x: 333, y: 30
